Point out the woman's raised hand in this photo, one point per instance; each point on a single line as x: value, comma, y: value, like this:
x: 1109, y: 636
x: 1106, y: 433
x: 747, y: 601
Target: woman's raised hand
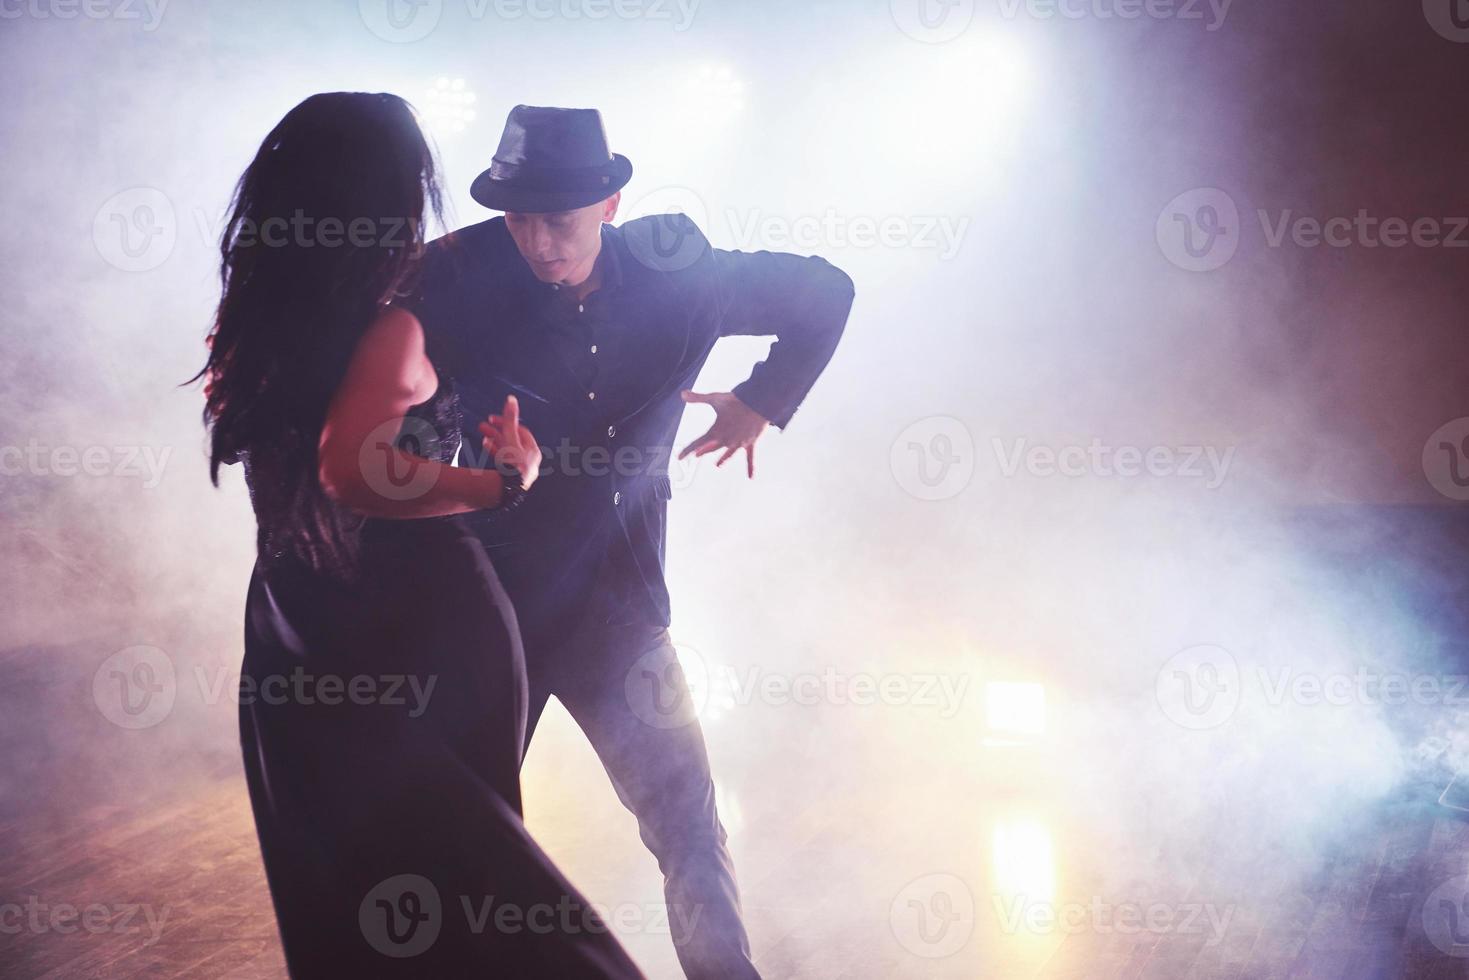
x: 509, y: 442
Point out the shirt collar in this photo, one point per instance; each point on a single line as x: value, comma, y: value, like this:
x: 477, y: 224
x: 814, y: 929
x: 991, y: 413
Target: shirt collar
x: 608, y: 260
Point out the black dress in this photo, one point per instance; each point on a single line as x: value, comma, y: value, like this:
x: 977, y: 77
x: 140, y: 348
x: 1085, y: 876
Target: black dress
x: 382, y: 717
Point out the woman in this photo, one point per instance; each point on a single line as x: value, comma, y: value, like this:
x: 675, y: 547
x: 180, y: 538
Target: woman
x: 383, y: 692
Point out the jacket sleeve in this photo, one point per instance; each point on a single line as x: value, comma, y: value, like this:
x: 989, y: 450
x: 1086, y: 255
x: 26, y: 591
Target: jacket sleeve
x: 802, y: 302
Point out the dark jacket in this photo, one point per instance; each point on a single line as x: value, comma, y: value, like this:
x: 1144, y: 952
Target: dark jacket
x: 605, y: 475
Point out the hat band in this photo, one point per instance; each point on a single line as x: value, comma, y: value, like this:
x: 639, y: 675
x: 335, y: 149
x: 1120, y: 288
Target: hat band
x: 551, y: 179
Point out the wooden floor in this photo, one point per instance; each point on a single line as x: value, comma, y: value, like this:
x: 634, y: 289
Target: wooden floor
x: 193, y: 865
x: 868, y: 846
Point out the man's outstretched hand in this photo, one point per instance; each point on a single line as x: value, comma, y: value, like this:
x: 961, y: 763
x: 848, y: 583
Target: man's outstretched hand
x: 736, y: 426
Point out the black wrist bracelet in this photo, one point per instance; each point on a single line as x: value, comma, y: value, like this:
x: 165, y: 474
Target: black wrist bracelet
x: 512, y: 487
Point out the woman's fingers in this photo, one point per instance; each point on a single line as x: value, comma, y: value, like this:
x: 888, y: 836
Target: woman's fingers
x: 508, y: 439
x: 512, y: 413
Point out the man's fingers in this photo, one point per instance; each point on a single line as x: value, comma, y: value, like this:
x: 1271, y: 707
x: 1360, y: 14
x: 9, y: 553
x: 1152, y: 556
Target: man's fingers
x: 727, y: 454
x: 750, y: 460
x: 699, y: 443
x: 694, y: 396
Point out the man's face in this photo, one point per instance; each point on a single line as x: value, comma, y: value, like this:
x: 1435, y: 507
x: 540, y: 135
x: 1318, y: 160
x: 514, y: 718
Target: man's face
x: 562, y: 247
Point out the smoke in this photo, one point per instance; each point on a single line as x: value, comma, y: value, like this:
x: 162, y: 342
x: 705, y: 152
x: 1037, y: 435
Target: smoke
x: 1048, y: 452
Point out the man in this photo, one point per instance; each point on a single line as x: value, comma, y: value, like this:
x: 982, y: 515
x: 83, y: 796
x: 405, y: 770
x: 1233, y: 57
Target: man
x: 600, y: 332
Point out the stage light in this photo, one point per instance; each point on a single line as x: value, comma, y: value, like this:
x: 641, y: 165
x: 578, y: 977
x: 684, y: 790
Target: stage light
x: 1023, y: 861
x: 716, y: 90
x: 448, y: 106
x: 1015, y: 710
x: 711, y: 685
x: 728, y: 805
x: 950, y: 118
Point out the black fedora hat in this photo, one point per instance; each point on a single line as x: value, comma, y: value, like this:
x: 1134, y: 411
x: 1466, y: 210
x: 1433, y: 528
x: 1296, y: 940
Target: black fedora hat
x: 551, y: 160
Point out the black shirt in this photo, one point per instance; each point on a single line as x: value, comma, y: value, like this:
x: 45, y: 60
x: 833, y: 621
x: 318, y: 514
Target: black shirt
x: 591, y: 533
x: 585, y: 340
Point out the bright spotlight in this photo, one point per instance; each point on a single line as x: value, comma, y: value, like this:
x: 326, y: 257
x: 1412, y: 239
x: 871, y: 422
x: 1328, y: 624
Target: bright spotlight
x: 1015, y: 709
x: 716, y: 89
x: 1023, y: 859
x: 448, y: 107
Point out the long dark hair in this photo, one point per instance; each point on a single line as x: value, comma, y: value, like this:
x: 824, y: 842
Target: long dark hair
x: 326, y: 227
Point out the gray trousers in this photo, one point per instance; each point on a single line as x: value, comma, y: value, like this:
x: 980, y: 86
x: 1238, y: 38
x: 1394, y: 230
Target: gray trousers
x: 623, y: 686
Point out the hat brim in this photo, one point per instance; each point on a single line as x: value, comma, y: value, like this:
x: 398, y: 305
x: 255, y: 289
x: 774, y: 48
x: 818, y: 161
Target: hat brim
x: 510, y: 195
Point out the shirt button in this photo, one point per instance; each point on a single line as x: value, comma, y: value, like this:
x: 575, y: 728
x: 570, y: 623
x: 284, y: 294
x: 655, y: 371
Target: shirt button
x: 616, y: 498
x: 591, y: 396
x: 594, y: 348
x: 581, y: 308
x: 611, y: 431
